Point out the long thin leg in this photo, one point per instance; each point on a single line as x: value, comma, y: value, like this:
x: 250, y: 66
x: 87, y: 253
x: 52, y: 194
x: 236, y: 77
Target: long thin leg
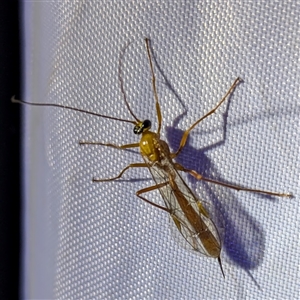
x: 158, y: 111
x: 152, y: 188
x: 134, y: 145
x: 235, y: 187
x: 142, y: 191
x: 135, y: 165
x: 187, y: 132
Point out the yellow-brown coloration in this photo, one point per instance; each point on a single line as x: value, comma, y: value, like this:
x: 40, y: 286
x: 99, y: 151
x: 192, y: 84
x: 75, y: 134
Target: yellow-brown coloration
x: 188, y: 214
x: 209, y: 241
x: 186, y: 211
x: 148, y: 148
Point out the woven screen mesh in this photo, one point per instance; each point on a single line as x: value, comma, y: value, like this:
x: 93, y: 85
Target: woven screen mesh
x: 86, y: 240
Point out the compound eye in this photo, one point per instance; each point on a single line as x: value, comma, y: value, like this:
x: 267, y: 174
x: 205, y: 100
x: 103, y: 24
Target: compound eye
x: 137, y: 129
x: 142, y: 127
x: 146, y: 125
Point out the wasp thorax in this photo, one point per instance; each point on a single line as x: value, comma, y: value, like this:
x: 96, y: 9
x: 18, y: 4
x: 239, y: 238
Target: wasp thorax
x: 142, y: 127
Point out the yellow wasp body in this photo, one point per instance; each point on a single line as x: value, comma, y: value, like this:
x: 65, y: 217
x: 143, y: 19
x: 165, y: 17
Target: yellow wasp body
x: 191, y: 218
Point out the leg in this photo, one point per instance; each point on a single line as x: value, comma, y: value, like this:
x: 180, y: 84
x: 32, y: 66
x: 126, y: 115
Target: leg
x: 152, y: 188
x: 135, y: 145
x: 235, y: 187
x: 136, y: 165
x: 142, y: 191
x: 187, y: 132
x: 158, y: 111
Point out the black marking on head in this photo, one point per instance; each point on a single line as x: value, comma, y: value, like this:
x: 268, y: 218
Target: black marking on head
x: 142, y: 127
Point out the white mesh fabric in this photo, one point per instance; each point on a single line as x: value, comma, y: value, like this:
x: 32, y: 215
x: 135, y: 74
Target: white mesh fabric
x: 86, y: 240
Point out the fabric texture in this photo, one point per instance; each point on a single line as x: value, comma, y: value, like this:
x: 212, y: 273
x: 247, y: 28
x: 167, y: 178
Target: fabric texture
x: 86, y: 240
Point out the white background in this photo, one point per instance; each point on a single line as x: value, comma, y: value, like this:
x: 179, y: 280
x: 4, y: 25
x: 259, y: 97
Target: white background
x: 98, y: 240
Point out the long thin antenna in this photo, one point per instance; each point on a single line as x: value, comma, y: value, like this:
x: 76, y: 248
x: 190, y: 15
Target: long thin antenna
x: 14, y: 100
x: 157, y: 105
x: 122, y: 84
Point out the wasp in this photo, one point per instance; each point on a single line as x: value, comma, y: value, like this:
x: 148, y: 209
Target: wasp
x: 188, y: 213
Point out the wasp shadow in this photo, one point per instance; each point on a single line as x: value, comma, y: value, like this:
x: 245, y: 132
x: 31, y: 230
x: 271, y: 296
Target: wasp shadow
x: 244, y: 239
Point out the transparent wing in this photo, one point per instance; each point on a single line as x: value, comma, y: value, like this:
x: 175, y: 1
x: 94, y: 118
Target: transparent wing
x: 186, y: 211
